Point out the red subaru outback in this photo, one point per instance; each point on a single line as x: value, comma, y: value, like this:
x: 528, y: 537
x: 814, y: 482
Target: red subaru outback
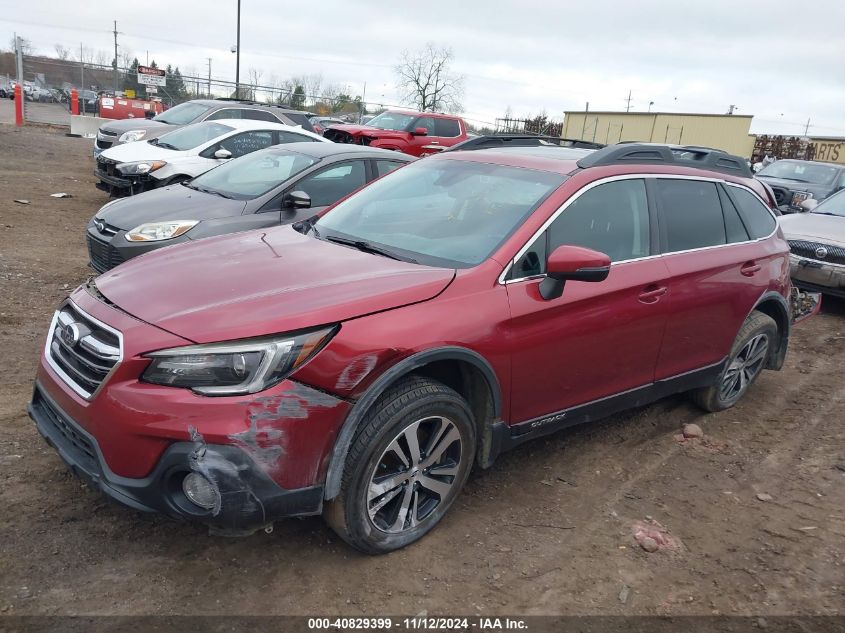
x: 360, y: 363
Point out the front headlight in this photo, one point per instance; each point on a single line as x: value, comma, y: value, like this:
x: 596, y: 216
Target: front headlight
x: 239, y: 367
x: 131, y: 136
x: 140, y: 167
x: 157, y: 231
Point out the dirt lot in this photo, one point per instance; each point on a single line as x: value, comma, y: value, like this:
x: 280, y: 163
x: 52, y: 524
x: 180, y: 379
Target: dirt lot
x: 547, y: 531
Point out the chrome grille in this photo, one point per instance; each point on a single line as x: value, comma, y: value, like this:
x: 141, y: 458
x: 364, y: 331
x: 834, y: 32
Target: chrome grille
x: 813, y: 250
x: 82, y: 350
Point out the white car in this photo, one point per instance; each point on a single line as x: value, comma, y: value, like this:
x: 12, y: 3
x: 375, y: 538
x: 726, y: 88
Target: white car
x: 188, y: 152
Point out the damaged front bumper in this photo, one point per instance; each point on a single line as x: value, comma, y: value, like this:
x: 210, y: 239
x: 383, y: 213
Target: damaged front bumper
x: 248, y: 500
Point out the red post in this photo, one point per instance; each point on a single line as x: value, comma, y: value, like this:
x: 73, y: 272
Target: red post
x: 74, y: 101
x: 18, y: 104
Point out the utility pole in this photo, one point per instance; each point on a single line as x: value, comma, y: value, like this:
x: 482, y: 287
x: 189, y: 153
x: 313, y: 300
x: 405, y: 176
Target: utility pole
x: 731, y: 109
x: 628, y: 109
x: 807, y: 127
x: 584, y: 126
x: 115, y: 58
x: 209, y: 77
x: 238, y: 57
x: 363, y: 103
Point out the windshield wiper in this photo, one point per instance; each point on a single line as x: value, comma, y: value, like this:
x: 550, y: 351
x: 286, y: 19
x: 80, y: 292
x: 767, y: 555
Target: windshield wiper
x: 836, y: 215
x: 367, y: 247
x: 166, y: 145
x: 213, y: 192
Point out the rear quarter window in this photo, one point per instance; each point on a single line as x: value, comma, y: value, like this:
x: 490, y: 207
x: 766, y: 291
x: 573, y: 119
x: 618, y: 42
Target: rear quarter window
x: 756, y: 217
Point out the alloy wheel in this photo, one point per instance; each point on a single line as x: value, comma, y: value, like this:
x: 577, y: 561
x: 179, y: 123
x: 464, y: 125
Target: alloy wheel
x: 744, y: 367
x: 415, y: 474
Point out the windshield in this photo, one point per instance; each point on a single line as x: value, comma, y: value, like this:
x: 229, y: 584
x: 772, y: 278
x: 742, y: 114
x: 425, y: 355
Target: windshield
x: 835, y: 205
x: 391, y: 121
x: 451, y: 213
x: 800, y: 172
x: 253, y: 175
x: 191, y: 136
x: 182, y: 114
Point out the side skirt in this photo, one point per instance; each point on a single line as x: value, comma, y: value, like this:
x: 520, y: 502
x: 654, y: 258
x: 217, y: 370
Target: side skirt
x: 506, y: 437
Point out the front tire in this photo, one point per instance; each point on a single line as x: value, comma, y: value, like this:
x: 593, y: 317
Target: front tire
x: 750, y: 352
x: 408, y: 461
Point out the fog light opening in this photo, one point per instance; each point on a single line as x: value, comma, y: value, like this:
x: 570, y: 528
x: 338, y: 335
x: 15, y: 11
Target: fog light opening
x: 200, y: 491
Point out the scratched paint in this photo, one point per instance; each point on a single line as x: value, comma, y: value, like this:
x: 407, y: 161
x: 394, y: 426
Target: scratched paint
x: 356, y: 371
x: 264, y: 438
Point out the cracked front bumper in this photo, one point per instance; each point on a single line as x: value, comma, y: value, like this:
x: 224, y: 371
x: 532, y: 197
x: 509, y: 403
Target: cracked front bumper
x: 249, y: 499
x: 816, y: 276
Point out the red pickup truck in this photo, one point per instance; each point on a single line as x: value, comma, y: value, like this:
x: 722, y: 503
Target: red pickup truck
x: 415, y: 133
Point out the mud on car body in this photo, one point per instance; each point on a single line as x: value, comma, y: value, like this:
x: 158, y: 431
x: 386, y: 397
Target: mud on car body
x: 360, y: 363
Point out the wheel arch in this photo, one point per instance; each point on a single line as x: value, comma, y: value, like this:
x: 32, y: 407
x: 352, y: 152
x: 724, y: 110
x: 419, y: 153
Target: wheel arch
x: 462, y: 369
x: 774, y: 305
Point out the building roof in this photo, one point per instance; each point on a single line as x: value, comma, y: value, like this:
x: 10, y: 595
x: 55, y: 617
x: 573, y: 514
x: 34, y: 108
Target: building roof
x: 689, y: 114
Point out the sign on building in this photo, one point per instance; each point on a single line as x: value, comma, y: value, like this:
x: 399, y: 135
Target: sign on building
x: 151, y: 76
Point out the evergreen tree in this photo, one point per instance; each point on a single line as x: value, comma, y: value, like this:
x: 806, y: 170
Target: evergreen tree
x: 130, y: 81
x: 297, y: 101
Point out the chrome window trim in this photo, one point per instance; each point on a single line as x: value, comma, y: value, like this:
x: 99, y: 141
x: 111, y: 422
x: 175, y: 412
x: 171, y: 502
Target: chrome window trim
x: 502, y: 281
x: 60, y: 372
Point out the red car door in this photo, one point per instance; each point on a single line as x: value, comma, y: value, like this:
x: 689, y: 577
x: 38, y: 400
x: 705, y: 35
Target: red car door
x: 717, y: 272
x: 597, y: 339
x: 417, y: 144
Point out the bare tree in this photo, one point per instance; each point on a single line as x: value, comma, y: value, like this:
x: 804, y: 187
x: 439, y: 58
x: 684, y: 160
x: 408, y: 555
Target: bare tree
x: 126, y: 58
x: 62, y: 52
x: 26, y: 46
x: 426, y: 81
x: 86, y: 55
x: 101, y: 58
x: 254, y: 79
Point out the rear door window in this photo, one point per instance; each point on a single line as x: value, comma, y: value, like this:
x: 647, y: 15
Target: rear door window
x: 225, y: 113
x: 260, y: 115
x: 755, y: 215
x: 386, y: 166
x: 293, y: 137
x: 691, y: 214
x: 734, y: 227
x: 446, y: 128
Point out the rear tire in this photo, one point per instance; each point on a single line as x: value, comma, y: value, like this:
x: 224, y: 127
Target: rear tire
x: 750, y: 352
x: 407, y: 463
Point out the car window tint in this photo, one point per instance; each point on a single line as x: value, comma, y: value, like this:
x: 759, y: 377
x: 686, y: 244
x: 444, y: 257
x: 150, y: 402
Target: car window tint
x: 246, y: 142
x: 611, y: 218
x: 225, y: 113
x: 386, y: 166
x: 734, y: 227
x: 293, y: 137
x: 329, y: 185
x: 259, y: 115
x: 691, y: 214
x: 446, y: 127
x: 757, y: 218
x: 427, y: 122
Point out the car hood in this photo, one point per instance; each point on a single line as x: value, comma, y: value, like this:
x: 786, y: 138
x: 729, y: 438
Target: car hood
x: 141, y: 150
x: 176, y: 202
x: 814, y: 227
x: 124, y: 125
x: 263, y: 282
x: 366, y: 130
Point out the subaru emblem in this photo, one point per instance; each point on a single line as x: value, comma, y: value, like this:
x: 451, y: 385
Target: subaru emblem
x: 821, y: 252
x: 70, y: 334
x: 101, y: 226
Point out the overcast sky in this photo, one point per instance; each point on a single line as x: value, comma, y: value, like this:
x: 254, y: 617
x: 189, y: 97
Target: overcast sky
x: 780, y: 60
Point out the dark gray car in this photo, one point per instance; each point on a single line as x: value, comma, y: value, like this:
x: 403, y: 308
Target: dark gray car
x: 278, y: 185
x: 127, y: 130
x: 794, y: 181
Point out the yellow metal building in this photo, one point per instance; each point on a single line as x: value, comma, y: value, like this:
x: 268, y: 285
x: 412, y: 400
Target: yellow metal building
x: 729, y: 132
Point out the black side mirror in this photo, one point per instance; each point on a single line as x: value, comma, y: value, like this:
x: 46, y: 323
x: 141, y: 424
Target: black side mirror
x: 296, y: 200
